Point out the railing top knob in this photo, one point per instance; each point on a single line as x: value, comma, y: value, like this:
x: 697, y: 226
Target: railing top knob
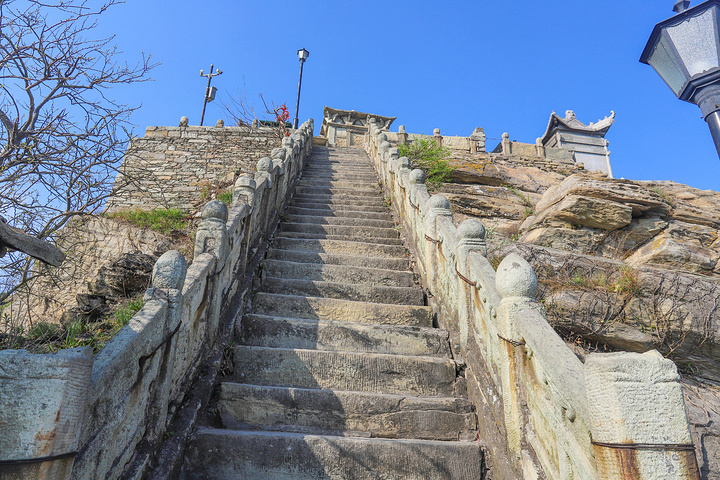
x: 417, y: 176
x: 515, y: 278
x: 215, y: 210
x: 169, y: 271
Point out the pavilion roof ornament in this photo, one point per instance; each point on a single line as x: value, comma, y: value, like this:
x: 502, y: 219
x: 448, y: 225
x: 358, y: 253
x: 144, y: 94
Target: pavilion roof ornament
x: 571, y: 124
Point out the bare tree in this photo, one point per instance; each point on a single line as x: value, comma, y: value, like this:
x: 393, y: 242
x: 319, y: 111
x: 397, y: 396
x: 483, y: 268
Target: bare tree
x: 61, y: 136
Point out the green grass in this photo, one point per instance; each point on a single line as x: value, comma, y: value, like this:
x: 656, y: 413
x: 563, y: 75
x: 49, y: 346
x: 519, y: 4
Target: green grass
x: 161, y: 220
x: 427, y: 155
x: 226, y: 197
x: 49, y: 337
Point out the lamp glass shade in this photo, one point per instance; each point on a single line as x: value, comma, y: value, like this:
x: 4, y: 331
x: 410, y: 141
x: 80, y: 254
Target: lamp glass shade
x: 687, y: 46
x: 303, y: 54
x: 695, y: 40
x: 668, y: 65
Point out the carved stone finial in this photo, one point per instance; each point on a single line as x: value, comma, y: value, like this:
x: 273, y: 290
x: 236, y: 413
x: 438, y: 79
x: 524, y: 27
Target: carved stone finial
x: 184, y: 121
x: 401, y: 129
x: 472, y: 228
x: 215, y: 210
x: 278, y: 153
x: 264, y: 164
x: 569, y: 114
x: 436, y: 132
x: 438, y: 202
x: 506, y: 136
x: 287, y: 142
x: 245, y: 188
x: 515, y: 278
x: 471, y: 236
x: 417, y: 176
x: 381, y: 137
x: 404, y: 163
x: 245, y: 181
x: 255, y: 124
x: 220, y: 123
x: 169, y: 271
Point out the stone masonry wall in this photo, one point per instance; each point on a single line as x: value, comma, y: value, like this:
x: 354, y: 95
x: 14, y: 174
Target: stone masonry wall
x: 175, y: 167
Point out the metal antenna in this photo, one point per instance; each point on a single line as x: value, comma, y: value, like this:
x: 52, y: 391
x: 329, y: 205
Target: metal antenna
x: 209, y: 92
x: 681, y: 6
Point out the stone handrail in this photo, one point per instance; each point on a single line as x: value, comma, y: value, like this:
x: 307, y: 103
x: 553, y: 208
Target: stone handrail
x: 75, y: 415
x: 542, y: 412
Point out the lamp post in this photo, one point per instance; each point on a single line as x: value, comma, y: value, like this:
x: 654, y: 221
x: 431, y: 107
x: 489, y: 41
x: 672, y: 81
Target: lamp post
x: 209, y: 91
x: 302, y: 55
x: 685, y: 51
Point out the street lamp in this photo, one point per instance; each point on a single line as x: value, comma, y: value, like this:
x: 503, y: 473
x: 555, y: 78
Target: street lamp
x: 685, y: 51
x: 302, y: 55
x: 209, y: 91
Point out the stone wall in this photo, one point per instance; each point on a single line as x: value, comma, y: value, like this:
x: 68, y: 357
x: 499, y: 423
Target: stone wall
x: 83, y: 416
x: 546, y: 414
x: 175, y: 167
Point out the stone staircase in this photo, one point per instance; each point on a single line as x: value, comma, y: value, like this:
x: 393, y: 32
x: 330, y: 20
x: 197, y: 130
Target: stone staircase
x: 338, y: 373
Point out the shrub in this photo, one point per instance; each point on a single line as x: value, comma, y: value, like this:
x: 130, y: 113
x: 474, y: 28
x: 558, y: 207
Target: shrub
x: 427, y: 155
x: 161, y: 220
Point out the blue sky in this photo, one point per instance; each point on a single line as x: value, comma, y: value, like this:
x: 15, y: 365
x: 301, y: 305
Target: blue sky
x: 504, y: 66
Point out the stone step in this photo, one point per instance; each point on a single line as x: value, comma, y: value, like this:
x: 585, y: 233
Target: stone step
x: 350, y: 230
x: 362, y: 372
x: 227, y: 454
x: 344, y: 238
x: 317, y: 308
x: 345, y: 291
x: 374, y: 201
x: 318, y: 190
x: 338, y: 169
x: 339, y: 205
x: 327, y: 212
x: 352, y: 414
x: 331, y: 220
x: 337, y: 273
x: 279, y: 332
x: 401, y: 264
x: 343, y: 184
x: 339, y: 247
x: 345, y: 177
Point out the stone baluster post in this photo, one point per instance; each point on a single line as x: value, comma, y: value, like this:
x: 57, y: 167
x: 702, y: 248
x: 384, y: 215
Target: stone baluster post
x: 212, y: 236
x: 402, y: 136
x: 471, y: 238
x: 167, y: 281
x: 637, y: 418
x: 506, y: 147
x: 539, y: 148
x: 437, y: 206
x: 43, y: 402
x: 438, y: 137
x: 517, y: 286
x: 417, y: 183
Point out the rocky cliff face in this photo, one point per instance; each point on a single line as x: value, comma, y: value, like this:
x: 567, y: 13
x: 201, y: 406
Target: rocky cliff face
x: 622, y: 265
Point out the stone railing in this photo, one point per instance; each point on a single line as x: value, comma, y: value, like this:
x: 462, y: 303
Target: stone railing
x: 75, y: 415
x: 542, y: 412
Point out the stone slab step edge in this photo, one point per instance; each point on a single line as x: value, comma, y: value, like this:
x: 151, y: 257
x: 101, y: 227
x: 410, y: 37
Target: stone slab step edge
x: 337, y: 273
x: 228, y: 454
x: 332, y: 220
x: 337, y: 336
x: 344, y: 238
x: 344, y: 291
x: 391, y: 263
x: 339, y: 247
x: 318, y: 308
x: 346, y: 413
x: 349, y: 214
x: 356, y: 371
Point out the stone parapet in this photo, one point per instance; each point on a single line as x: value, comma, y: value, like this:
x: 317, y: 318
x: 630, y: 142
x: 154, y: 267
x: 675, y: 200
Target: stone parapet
x: 107, y: 415
x: 175, y: 167
x: 544, y: 413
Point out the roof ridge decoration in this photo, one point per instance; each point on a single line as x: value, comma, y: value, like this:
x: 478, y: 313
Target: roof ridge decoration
x: 571, y: 123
